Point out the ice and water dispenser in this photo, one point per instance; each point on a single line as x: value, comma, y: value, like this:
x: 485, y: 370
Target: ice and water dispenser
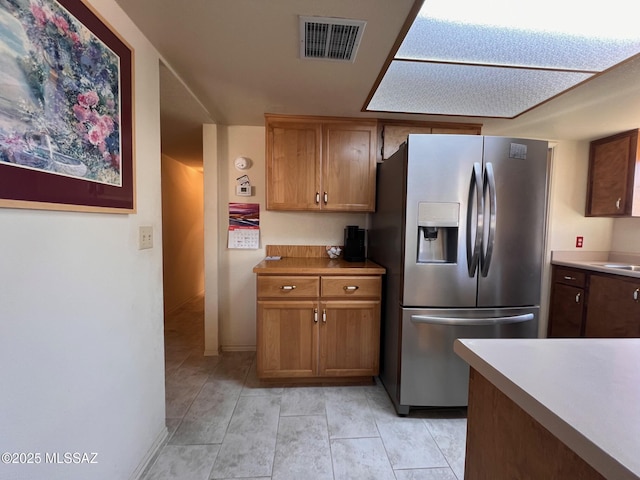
x: 438, y: 232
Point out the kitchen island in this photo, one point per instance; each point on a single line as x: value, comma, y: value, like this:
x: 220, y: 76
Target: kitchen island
x: 553, y: 408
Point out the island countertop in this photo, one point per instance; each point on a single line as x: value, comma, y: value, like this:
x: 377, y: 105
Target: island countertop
x: 586, y: 392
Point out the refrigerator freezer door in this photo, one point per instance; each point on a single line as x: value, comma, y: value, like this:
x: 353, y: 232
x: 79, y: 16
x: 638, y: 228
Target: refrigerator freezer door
x: 432, y: 375
x: 440, y: 169
x: 515, y: 185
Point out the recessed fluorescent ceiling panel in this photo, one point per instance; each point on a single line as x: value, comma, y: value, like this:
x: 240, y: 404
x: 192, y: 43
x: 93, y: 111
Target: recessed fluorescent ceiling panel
x: 500, y: 58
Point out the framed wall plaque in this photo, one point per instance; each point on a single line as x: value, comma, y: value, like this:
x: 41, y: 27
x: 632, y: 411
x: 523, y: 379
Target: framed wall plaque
x: 66, y: 109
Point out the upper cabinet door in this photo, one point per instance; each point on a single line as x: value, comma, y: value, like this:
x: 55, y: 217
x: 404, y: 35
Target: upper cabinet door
x: 612, y: 178
x: 293, y: 165
x: 349, y: 167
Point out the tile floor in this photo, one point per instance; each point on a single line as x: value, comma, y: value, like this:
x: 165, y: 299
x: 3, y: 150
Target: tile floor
x: 223, y: 424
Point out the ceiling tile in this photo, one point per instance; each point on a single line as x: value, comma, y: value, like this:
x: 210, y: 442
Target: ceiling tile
x: 430, y: 39
x: 450, y: 89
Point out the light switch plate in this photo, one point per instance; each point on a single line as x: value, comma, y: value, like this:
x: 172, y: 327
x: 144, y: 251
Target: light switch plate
x: 145, y: 238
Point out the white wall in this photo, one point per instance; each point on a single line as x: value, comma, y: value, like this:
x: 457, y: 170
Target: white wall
x: 182, y: 233
x: 626, y: 235
x: 567, y: 199
x: 237, y: 290
x: 81, y: 342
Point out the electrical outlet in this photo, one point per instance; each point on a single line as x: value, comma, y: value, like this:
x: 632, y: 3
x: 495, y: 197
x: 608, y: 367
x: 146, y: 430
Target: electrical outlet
x: 579, y: 242
x: 145, y: 238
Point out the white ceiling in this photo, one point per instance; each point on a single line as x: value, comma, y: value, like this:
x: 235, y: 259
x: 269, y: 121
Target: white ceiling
x: 238, y: 59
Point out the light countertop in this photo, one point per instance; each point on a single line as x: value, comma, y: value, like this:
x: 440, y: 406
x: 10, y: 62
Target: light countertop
x: 586, y: 392
x: 597, y: 261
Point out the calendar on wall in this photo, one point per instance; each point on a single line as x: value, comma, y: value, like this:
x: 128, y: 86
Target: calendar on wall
x: 244, y: 225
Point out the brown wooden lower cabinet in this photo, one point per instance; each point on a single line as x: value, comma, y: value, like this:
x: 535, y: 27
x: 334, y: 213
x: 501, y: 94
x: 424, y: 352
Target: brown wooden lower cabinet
x: 289, y: 331
x: 504, y: 442
x: 349, y: 338
x: 318, y: 326
x: 613, y: 308
x: 592, y: 304
x: 567, y: 307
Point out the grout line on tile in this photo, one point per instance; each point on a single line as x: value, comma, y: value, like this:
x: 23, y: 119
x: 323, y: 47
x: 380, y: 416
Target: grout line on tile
x: 426, y: 424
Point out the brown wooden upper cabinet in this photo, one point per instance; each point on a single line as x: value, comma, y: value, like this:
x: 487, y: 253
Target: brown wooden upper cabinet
x: 320, y: 163
x: 394, y: 132
x: 613, y: 188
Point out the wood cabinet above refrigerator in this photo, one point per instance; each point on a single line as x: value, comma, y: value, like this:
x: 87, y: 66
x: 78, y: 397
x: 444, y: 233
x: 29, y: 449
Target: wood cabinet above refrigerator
x: 613, y: 188
x: 393, y: 133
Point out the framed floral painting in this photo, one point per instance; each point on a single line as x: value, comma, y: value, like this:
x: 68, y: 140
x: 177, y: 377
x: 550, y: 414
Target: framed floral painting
x: 66, y: 115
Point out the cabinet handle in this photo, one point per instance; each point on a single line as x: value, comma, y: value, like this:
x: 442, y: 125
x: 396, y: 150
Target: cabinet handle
x: 618, y: 203
x: 569, y: 278
x: 636, y: 294
x: 578, y: 295
x: 288, y: 287
x: 315, y: 315
x: 324, y: 315
x: 326, y: 198
x: 350, y: 288
x: 317, y: 198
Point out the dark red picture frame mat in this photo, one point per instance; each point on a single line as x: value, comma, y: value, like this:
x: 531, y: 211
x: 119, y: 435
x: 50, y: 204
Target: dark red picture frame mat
x: 34, y: 186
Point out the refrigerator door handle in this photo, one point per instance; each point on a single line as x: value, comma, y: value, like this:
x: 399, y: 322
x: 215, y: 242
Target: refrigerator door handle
x: 490, y: 182
x: 473, y: 251
x: 455, y: 321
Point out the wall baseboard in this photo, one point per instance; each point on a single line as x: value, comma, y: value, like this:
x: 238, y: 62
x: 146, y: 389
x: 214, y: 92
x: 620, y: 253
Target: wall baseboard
x: 151, y: 454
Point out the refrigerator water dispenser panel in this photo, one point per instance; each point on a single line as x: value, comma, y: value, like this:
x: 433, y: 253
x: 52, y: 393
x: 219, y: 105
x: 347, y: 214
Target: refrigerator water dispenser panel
x: 438, y: 232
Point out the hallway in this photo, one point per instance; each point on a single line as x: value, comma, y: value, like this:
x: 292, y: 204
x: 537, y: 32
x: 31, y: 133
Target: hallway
x: 223, y: 424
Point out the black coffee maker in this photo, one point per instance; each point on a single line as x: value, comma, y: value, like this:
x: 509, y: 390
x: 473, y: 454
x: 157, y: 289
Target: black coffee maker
x: 354, y: 244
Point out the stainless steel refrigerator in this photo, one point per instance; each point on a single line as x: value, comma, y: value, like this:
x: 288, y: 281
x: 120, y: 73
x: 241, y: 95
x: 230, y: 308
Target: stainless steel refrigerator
x: 460, y: 226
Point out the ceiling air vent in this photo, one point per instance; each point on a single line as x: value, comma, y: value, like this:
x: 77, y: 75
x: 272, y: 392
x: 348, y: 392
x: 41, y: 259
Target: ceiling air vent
x: 330, y: 38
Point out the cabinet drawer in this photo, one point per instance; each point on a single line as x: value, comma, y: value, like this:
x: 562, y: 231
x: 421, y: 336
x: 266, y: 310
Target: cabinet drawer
x: 295, y: 286
x: 569, y: 276
x: 350, y: 287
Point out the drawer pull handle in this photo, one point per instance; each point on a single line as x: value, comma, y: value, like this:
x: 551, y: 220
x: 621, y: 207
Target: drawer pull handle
x: 315, y: 315
x: 578, y: 295
x: 636, y: 294
x: 326, y: 198
x: 350, y: 288
x: 288, y: 287
x: 324, y: 315
x: 317, y: 198
x: 569, y: 278
x: 618, y: 203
